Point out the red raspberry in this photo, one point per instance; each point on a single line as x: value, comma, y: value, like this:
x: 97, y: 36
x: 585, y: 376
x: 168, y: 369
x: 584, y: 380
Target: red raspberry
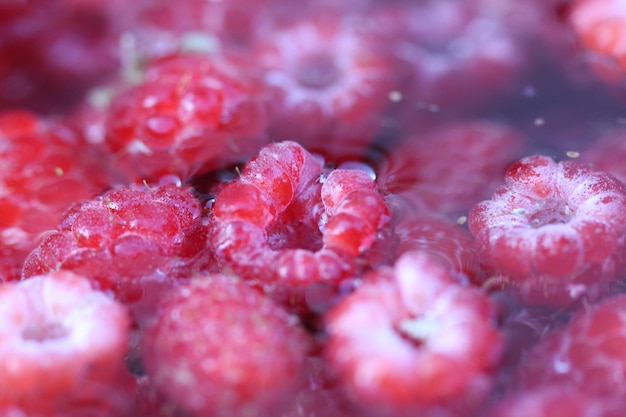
x: 254, y: 366
x: 454, y: 56
x: 449, y: 169
x: 587, y: 353
x: 55, y: 51
x: 63, y: 346
x: 412, y: 341
x: 283, y: 222
x: 607, y: 153
x: 45, y: 168
x: 557, y: 401
x: 190, y: 114
x: 329, y: 85
x: 448, y: 243
x: 601, y: 29
x: 132, y: 241
x: 555, y: 231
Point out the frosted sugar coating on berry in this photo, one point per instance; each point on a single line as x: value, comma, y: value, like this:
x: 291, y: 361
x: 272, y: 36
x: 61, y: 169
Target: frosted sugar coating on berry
x: 554, y: 230
x: 191, y: 113
x: 63, y: 343
x: 412, y: 341
x: 329, y: 84
x: 218, y: 347
x: 133, y: 241
x: 286, y: 221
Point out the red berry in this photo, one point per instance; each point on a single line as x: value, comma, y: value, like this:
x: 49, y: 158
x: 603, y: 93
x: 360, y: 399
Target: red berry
x: 134, y: 242
x: 329, y: 85
x: 449, y: 169
x: 557, y: 401
x: 412, y: 341
x: 190, y: 114
x: 586, y: 354
x: 63, y: 345
x: 280, y: 225
x: 600, y: 26
x: 218, y: 347
x: 448, y: 243
x: 555, y: 231
x: 45, y: 168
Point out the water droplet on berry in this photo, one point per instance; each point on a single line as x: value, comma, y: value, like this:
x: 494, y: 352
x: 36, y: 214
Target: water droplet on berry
x: 359, y: 166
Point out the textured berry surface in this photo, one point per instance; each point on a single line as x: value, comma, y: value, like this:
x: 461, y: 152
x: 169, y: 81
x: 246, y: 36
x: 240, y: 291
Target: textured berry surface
x: 328, y: 85
x: 134, y: 242
x: 190, y: 113
x: 63, y: 345
x: 286, y: 222
x: 46, y: 167
x: 304, y: 206
x: 554, y: 230
x: 413, y: 341
x: 252, y: 369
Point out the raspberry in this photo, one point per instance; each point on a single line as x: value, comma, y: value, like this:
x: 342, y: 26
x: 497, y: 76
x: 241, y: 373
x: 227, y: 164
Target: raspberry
x: 413, y: 341
x: 448, y: 243
x: 190, y: 114
x: 63, y: 344
x: 45, y: 168
x: 555, y: 231
x: 55, y: 51
x: 607, y: 153
x: 449, y: 169
x: 454, y: 56
x: 252, y: 369
x: 134, y: 242
x: 600, y: 26
x: 557, y: 401
x: 585, y: 354
x: 280, y: 225
x: 328, y: 84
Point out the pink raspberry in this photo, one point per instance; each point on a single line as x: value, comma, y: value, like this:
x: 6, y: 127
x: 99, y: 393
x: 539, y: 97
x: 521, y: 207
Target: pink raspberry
x: 449, y: 169
x: 254, y: 366
x: 558, y: 401
x: 413, y: 341
x: 286, y: 223
x: 586, y: 354
x: 134, y: 242
x: 600, y: 26
x: 607, y: 153
x: 190, y: 114
x: 554, y: 231
x: 329, y: 85
x: 453, y: 56
x: 46, y: 167
x: 63, y: 345
x: 448, y: 243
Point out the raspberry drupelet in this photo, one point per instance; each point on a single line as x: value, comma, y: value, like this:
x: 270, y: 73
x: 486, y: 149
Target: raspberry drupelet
x: 554, y: 232
x: 46, y: 167
x: 411, y: 340
x: 190, y: 113
x: 287, y: 223
x: 63, y: 346
x: 132, y: 241
x: 329, y: 86
x: 218, y: 347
